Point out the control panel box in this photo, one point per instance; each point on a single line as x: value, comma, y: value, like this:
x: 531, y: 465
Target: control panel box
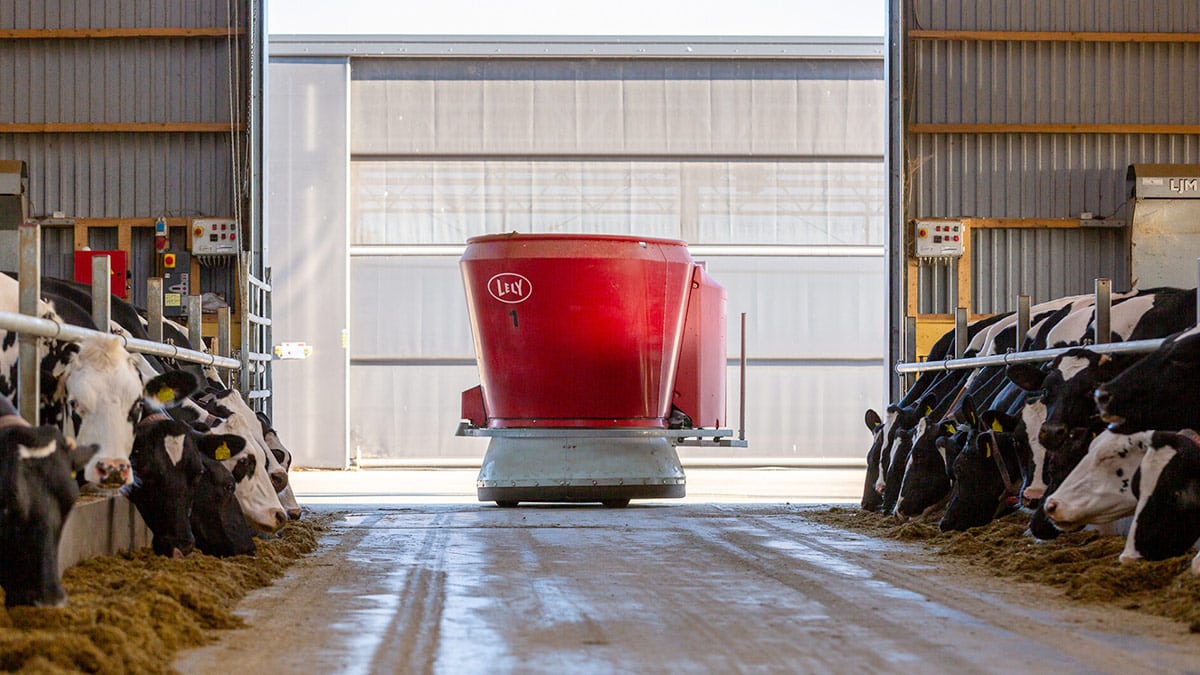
x: 215, y: 236
x: 938, y: 239
x: 177, y: 282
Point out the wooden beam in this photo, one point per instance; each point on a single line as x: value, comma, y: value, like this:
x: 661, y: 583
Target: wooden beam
x: 81, y: 236
x: 118, y: 127
x: 1048, y: 36
x: 912, y: 272
x: 1054, y: 129
x: 110, y: 33
x: 964, y: 266
x: 1020, y: 223
x: 132, y: 222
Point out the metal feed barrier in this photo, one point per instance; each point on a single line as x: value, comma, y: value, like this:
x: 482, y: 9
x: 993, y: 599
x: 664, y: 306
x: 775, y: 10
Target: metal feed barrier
x: 30, y: 328
x: 1103, y: 311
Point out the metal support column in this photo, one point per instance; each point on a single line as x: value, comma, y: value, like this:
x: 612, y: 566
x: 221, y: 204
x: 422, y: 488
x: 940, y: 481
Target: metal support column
x: 102, y: 293
x: 1022, y: 320
x: 154, y: 308
x: 1103, y: 311
x: 29, y: 395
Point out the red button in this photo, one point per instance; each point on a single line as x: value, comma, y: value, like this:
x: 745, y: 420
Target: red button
x: 232, y: 236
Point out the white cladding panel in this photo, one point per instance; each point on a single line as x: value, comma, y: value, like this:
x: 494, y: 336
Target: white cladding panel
x: 617, y: 107
x: 798, y: 202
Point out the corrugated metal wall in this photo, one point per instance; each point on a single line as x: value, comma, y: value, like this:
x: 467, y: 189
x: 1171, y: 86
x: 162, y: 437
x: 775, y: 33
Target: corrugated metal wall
x: 81, y: 80
x: 1042, y: 175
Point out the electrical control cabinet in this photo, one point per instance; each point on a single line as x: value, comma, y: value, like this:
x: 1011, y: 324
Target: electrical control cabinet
x: 938, y: 239
x: 215, y: 236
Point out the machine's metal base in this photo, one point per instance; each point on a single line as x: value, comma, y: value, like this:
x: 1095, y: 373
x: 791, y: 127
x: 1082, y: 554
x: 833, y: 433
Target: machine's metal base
x: 572, y: 469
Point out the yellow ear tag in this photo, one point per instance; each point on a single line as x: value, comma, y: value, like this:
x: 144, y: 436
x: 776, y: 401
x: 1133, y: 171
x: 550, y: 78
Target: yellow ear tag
x: 996, y: 426
x: 165, y: 395
x: 928, y: 410
x: 951, y: 429
x: 222, y: 452
x: 989, y: 451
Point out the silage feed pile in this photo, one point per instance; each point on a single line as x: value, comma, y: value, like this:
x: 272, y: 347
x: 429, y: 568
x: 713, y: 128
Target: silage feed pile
x: 132, y: 612
x: 1083, y: 565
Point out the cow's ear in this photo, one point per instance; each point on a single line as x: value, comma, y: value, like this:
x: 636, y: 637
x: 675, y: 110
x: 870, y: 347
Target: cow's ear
x: 80, y: 454
x: 1026, y: 376
x: 968, y: 410
x: 221, y: 446
x: 927, y: 403
x: 171, y: 388
x: 872, y: 419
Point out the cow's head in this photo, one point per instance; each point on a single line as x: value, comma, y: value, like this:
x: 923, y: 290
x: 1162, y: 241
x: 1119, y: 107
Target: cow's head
x: 1066, y: 390
x: 102, y: 389
x: 983, y: 473
x: 1100, y: 488
x: 217, y: 520
x: 871, y: 499
x: 37, y: 492
x: 926, y: 484
x: 1167, y: 520
x: 257, y: 496
x: 284, y: 456
x: 167, y: 468
x: 1158, y: 391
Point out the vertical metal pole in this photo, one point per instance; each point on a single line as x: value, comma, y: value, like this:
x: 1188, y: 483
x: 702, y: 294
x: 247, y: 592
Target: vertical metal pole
x: 960, y: 332
x: 102, y: 293
x: 1197, y: 291
x: 154, y: 308
x: 29, y: 396
x: 245, y: 309
x: 742, y: 376
x: 1103, y: 311
x: 1022, y: 320
x: 910, y: 350
x: 267, y: 342
x: 223, y: 336
x: 195, y: 322
x: 895, y: 252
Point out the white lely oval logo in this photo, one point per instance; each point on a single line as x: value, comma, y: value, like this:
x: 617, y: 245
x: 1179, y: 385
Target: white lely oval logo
x: 510, y: 287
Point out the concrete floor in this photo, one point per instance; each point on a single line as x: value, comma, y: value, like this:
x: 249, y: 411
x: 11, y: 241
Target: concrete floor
x: 420, y: 578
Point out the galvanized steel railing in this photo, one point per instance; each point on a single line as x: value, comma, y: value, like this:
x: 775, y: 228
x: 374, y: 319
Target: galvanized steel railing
x: 1103, y: 313
x: 30, y: 327
x: 255, y: 376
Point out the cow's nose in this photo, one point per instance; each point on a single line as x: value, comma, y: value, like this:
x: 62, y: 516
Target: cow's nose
x: 1051, y: 506
x: 281, y: 519
x: 294, y: 514
x: 1052, y: 435
x: 1103, y: 398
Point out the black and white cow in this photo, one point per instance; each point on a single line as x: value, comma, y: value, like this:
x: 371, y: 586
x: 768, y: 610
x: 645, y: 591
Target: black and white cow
x: 287, y: 498
x: 1099, y: 490
x: 1166, y: 521
x: 95, y: 384
x: 37, y: 492
x: 1158, y: 392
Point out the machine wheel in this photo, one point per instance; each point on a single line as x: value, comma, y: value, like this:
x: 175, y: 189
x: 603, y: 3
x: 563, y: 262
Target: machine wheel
x: 506, y: 503
x: 615, y: 503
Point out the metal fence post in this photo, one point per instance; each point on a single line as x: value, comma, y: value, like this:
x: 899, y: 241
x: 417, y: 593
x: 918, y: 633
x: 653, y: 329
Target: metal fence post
x: 154, y: 308
x: 102, y: 293
x: 224, y: 333
x: 960, y: 332
x: 1022, y: 320
x: 195, y: 324
x: 29, y: 397
x: 1103, y: 311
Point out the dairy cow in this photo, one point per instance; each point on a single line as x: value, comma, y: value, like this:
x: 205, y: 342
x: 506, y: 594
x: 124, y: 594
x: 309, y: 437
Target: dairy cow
x: 37, y: 492
x: 1158, y: 392
x: 284, y: 456
x: 1167, y: 517
x: 91, y: 390
x: 1100, y: 488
